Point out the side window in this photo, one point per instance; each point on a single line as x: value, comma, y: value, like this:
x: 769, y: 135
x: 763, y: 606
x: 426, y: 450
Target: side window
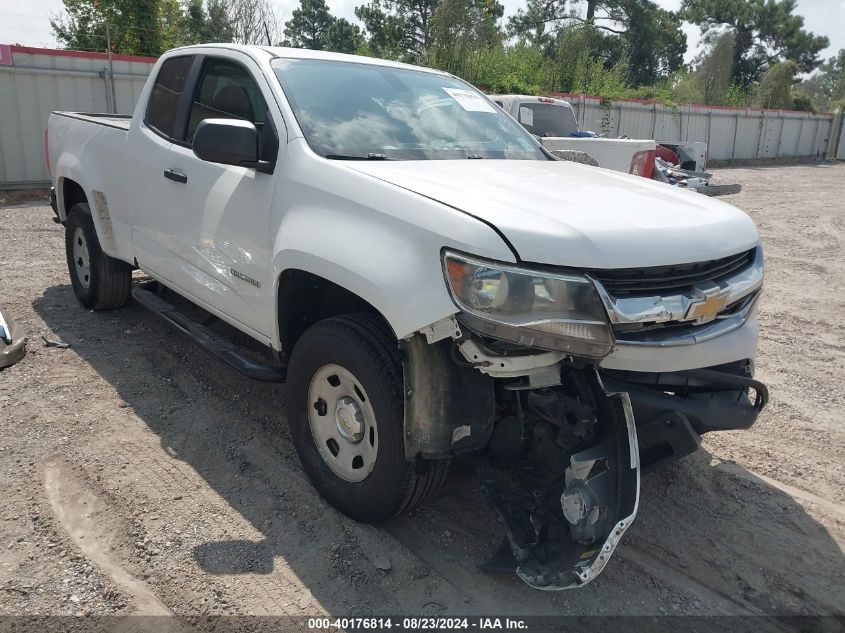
x: 226, y: 90
x: 166, y: 93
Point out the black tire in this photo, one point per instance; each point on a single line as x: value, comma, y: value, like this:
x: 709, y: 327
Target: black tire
x: 363, y: 345
x: 106, y: 281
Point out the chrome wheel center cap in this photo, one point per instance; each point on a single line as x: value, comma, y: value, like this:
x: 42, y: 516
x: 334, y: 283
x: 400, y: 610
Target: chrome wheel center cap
x: 349, y: 419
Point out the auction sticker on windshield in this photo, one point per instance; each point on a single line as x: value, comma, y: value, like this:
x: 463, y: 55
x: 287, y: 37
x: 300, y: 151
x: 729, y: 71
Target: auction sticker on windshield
x: 469, y: 100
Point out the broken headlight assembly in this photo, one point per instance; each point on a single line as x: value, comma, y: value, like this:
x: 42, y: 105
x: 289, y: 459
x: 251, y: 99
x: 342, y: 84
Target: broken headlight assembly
x: 533, y: 308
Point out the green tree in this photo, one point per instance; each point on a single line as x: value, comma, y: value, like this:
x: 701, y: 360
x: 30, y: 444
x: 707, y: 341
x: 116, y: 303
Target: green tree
x: 461, y: 27
x: 578, y: 68
x: 135, y: 26
x: 402, y: 29
x: 218, y: 24
x: 309, y: 25
x: 712, y: 77
x: 417, y: 16
x: 775, y: 89
x: 173, y: 25
x: 207, y: 22
x: 194, y: 21
x: 637, y: 32
x: 653, y: 42
x: 536, y: 24
x: 384, y: 30
x: 343, y: 37
x: 765, y: 32
x: 826, y: 87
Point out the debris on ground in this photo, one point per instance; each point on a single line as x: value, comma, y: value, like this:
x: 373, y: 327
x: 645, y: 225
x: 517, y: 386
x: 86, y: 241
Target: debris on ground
x: 49, y: 343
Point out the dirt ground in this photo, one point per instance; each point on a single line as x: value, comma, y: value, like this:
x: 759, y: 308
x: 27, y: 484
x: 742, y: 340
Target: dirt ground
x: 138, y: 475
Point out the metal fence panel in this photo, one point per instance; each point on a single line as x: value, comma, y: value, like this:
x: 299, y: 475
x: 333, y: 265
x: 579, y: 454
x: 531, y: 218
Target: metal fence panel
x: 730, y: 133
x: 39, y: 81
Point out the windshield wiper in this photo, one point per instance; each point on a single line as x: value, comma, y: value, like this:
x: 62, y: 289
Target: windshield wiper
x: 370, y: 156
x: 475, y: 157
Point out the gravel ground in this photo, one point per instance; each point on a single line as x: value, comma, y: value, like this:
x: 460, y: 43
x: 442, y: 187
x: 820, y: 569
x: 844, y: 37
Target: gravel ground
x: 141, y: 477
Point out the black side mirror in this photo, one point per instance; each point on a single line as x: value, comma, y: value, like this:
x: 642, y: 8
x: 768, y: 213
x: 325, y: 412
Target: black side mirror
x: 228, y: 141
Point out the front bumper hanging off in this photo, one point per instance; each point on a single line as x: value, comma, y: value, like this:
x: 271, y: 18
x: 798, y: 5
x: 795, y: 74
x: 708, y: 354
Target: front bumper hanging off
x: 562, y: 530
x: 561, y: 534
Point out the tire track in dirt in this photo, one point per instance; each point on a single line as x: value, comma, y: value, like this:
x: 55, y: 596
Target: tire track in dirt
x: 270, y: 593
x: 81, y: 514
x: 836, y: 509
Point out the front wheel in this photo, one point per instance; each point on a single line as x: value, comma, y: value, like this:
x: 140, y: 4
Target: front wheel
x: 99, y: 282
x: 345, y: 412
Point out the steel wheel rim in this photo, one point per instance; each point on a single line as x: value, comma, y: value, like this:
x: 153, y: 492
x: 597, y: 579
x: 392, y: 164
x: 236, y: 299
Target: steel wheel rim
x: 81, y: 257
x: 343, y: 423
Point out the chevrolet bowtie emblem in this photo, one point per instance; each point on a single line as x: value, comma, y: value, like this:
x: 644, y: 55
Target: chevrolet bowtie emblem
x: 707, y: 309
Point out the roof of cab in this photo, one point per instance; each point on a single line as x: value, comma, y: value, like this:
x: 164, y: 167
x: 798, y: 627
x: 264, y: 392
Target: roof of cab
x: 304, y: 53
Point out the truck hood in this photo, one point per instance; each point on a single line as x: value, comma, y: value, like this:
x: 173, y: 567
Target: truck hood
x: 567, y: 214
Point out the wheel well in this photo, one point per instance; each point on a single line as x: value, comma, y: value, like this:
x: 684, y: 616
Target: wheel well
x: 305, y: 298
x: 72, y: 193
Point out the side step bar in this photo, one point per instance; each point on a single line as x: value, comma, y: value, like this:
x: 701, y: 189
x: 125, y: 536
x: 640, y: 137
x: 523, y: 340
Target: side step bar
x: 208, y: 339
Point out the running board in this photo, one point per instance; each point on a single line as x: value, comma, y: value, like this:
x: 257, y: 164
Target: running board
x: 209, y: 340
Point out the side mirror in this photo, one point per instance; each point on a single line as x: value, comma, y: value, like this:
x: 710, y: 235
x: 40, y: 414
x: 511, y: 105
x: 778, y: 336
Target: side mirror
x: 227, y: 141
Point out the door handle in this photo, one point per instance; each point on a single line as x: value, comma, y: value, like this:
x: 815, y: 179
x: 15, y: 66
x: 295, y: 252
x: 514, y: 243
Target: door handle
x: 175, y: 176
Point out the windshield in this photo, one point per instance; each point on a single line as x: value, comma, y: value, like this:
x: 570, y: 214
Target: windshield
x: 547, y: 119
x: 364, y: 111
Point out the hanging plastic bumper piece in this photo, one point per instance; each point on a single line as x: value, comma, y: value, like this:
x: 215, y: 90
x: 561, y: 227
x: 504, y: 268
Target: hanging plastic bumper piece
x: 563, y: 529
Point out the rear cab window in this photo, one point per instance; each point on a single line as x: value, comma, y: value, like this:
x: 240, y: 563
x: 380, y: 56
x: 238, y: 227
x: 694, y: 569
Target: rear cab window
x: 163, y: 105
x: 547, y: 119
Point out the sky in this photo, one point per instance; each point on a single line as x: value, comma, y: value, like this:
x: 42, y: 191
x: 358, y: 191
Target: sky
x: 27, y: 21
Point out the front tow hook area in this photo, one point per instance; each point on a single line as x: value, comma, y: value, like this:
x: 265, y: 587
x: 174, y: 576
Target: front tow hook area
x: 563, y: 523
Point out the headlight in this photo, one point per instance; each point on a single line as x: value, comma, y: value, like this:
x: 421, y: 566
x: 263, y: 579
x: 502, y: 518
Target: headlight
x: 532, y: 308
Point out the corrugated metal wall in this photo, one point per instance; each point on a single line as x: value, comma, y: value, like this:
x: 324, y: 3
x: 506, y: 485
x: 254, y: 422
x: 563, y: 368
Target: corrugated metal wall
x: 38, y: 81
x: 730, y: 133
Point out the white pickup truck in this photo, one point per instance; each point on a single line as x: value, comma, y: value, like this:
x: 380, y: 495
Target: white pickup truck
x: 428, y: 281
x: 552, y: 122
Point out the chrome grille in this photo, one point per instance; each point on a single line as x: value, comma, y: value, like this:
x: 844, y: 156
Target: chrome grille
x: 669, y: 280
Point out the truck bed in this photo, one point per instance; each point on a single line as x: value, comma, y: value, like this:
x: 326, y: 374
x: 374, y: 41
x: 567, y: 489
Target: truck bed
x: 118, y: 121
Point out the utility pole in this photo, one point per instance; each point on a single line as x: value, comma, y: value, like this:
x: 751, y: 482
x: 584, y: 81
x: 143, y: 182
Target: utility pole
x: 111, y: 69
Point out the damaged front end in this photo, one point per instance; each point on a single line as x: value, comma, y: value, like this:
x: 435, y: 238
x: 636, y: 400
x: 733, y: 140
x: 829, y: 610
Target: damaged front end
x: 519, y: 376
x: 563, y: 475
x: 559, y: 460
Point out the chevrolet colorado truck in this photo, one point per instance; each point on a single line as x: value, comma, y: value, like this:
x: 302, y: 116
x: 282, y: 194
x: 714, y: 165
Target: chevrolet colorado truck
x: 398, y: 251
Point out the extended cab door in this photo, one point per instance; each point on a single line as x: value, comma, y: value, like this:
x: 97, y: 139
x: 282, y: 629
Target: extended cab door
x: 214, y: 219
x: 150, y: 138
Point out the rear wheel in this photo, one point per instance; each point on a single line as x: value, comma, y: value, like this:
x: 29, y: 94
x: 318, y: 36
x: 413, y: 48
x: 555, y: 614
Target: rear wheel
x: 99, y: 282
x: 345, y: 412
